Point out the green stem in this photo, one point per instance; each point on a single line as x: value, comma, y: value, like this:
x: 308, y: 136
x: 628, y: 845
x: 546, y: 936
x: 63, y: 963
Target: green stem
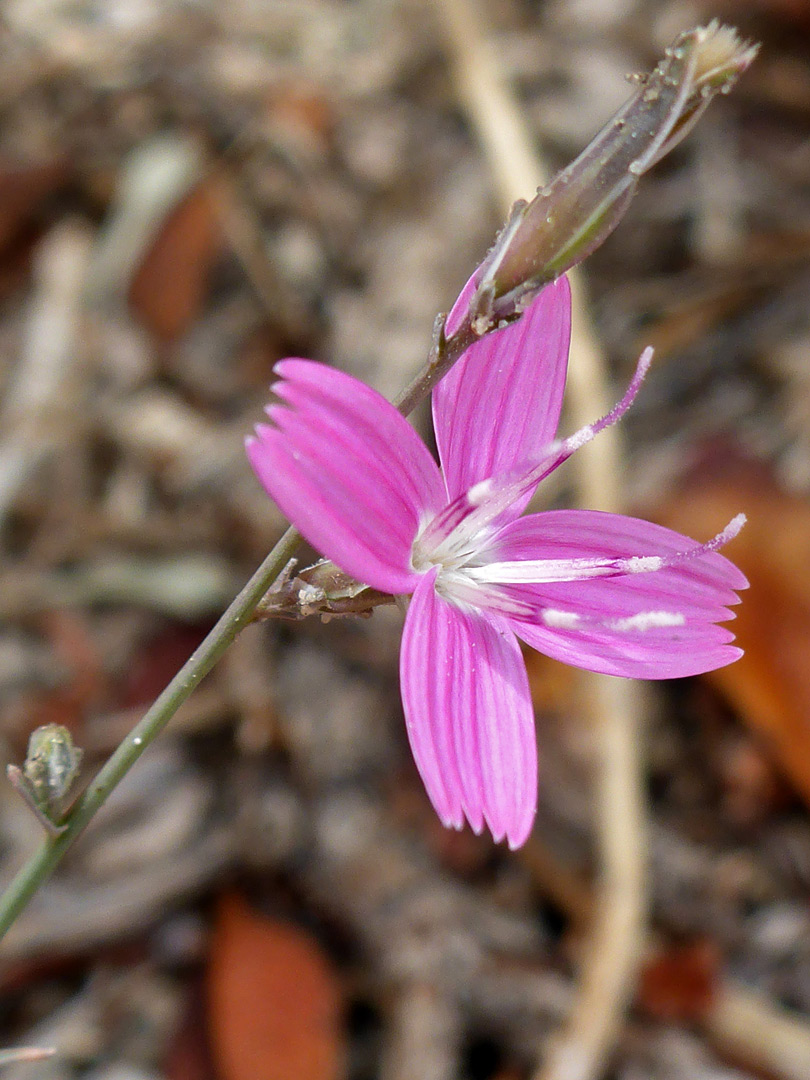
x: 236, y: 617
x: 443, y: 355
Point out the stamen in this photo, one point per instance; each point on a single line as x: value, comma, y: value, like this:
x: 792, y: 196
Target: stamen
x: 642, y: 621
x: 461, y: 526
x: 644, y: 564
x: 478, y: 493
x: 456, y: 587
x: 648, y: 620
x: 559, y: 620
x: 545, y: 571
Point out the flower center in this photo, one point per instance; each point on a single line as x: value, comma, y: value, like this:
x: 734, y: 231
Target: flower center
x: 450, y: 549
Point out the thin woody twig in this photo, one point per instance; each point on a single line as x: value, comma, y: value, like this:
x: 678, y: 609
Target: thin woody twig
x: 611, y: 957
x: 34, y: 403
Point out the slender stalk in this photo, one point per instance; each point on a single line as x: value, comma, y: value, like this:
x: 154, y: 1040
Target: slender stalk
x: 443, y: 354
x: 234, y: 619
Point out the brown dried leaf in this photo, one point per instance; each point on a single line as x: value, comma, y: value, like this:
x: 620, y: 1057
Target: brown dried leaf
x: 304, y: 113
x: 158, y: 659
x: 753, y: 787
x: 796, y: 11
x: 72, y: 644
x: 22, y: 188
x: 188, y: 1055
x: 770, y: 685
x: 274, y: 1002
x: 169, y: 287
x: 678, y: 983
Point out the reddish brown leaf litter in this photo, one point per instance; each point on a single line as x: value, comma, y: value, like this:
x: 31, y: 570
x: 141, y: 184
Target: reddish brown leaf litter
x: 274, y: 1001
x: 678, y: 983
x: 168, y: 290
x: 770, y: 687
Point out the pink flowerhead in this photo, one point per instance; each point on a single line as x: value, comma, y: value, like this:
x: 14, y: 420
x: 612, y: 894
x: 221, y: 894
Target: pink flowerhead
x: 601, y: 591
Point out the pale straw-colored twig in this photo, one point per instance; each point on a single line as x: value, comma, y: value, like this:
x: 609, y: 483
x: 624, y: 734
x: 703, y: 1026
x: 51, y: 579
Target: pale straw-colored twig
x: 754, y: 1031
x: 610, y: 959
x: 25, y: 1054
x: 33, y: 414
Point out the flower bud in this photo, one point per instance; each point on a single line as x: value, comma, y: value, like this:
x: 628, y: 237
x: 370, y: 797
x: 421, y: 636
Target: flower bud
x: 46, y: 778
x: 573, y: 215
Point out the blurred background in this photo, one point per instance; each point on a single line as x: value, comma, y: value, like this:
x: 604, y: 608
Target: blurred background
x: 190, y: 191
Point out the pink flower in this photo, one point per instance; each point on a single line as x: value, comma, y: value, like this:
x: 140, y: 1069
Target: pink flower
x: 605, y: 592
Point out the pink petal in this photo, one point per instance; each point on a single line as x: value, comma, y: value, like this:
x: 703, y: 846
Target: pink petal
x: 493, y: 502
x: 469, y: 715
x: 348, y: 471
x: 619, y: 625
x: 366, y: 413
x: 500, y: 404
x: 660, y: 653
